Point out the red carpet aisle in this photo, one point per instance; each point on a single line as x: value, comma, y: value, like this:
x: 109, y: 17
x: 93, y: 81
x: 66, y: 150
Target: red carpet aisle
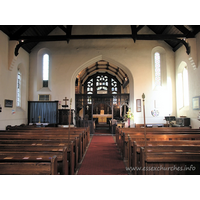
x: 102, y: 158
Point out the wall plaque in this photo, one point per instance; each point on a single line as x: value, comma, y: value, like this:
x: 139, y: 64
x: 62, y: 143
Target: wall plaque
x: 196, y: 103
x: 8, y: 103
x: 138, y: 105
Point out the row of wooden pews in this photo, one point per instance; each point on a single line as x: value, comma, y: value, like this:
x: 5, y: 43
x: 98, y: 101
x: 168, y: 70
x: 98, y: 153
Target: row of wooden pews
x: 44, y: 150
x: 168, y: 150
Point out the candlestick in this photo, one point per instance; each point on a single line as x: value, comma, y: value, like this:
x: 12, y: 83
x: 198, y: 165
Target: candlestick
x: 39, y: 119
x: 143, y: 96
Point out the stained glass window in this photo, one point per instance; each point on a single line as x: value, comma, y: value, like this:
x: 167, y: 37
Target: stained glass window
x: 102, y: 80
x: 102, y: 84
x: 113, y: 86
x: 157, y: 69
x: 18, y: 89
x: 89, y: 90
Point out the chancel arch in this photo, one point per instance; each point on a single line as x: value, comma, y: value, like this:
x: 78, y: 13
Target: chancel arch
x: 100, y: 91
x: 129, y: 89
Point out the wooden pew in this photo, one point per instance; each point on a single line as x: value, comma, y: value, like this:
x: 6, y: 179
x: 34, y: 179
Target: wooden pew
x: 46, y: 135
x: 120, y: 131
x: 133, y: 131
x: 170, y: 163
x: 33, y: 136
x: 85, y: 130
x: 80, y: 137
x: 159, y: 134
x: 47, y: 167
x: 126, y: 138
x: 72, y: 150
x: 126, y: 149
x: 76, y: 138
x: 155, y: 137
x: 44, y: 145
x: 31, y: 153
x: 162, y: 146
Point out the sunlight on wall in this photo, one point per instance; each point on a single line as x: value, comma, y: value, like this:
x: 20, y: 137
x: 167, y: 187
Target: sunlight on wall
x: 169, y: 90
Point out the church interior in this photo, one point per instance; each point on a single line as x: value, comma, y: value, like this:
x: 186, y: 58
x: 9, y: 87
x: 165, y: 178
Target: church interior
x: 100, y: 99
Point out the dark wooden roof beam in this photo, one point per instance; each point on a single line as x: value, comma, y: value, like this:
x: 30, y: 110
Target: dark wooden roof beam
x: 134, y: 32
x: 184, y: 30
x: 63, y: 28
x: 36, y: 32
x: 139, y: 27
x: 28, y: 39
x: 118, y: 36
x: 22, y: 30
x: 177, y: 47
x: 165, y: 30
x: 67, y: 30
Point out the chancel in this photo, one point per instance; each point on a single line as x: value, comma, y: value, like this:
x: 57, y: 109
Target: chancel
x: 104, y: 70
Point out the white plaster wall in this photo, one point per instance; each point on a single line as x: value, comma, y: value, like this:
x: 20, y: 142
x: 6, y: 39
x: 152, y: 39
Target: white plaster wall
x: 134, y: 58
x: 194, y: 78
x: 8, y: 82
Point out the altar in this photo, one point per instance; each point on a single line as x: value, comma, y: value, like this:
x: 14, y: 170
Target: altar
x: 102, y: 118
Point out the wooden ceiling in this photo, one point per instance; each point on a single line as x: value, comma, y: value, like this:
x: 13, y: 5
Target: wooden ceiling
x: 103, y: 66
x: 30, y: 35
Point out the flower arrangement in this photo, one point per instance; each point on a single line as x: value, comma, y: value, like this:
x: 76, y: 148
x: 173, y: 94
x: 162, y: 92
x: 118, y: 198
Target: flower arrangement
x: 128, y: 115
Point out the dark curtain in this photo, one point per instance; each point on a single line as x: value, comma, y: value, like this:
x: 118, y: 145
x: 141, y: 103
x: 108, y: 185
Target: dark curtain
x: 48, y: 112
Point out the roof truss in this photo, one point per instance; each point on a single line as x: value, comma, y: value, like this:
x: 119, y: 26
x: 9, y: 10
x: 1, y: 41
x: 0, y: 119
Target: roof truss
x: 30, y: 35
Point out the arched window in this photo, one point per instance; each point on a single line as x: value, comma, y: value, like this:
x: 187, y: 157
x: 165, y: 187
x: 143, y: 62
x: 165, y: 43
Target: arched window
x: 159, y: 72
x: 183, y: 92
x: 157, y: 68
x: 19, y: 88
x: 45, y: 70
x: 102, y: 84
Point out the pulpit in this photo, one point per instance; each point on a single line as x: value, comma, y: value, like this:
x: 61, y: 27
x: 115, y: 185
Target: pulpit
x: 64, y: 115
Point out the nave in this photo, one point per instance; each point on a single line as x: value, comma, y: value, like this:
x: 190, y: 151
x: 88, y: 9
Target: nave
x: 31, y: 150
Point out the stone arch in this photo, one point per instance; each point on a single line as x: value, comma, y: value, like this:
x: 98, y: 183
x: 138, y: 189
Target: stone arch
x: 96, y: 59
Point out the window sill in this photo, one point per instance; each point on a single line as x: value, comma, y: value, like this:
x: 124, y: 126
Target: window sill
x: 19, y: 109
x: 157, y: 88
x: 44, y: 89
x: 184, y: 108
